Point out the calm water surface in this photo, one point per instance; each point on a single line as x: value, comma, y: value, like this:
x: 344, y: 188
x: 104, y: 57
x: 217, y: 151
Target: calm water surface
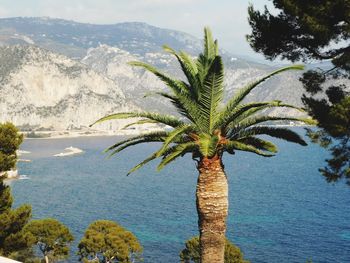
x: 281, y: 209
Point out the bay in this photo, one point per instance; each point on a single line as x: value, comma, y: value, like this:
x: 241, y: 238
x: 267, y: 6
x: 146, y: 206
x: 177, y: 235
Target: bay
x: 281, y: 208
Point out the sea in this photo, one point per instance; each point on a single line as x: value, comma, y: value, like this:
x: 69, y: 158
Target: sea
x: 280, y: 209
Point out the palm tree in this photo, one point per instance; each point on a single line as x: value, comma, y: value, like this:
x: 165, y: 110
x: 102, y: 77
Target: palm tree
x: 206, y: 129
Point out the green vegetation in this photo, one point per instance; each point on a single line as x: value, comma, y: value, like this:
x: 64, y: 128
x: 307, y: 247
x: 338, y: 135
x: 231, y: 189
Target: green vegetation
x: 10, y: 140
x: 206, y: 129
x: 51, y: 237
x: 106, y: 241
x: 13, y: 241
x: 191, y: 252
x: 314, y: 30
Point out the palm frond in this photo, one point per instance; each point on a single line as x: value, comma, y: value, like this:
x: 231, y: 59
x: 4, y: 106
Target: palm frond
x: 134, y: 142
x: 176, y: 151
x: 179, y: 105
x: 176, y: 86
x: 183, y: 99
x: 210, y: 46
x: 231, y: 146
x: 147, y: 160
x: 205, y: 59
x: 241, y: 94
x: 140, y: 122
x: 150, y: 135
x: 244, y: 110
x: 208, y: 144
x: 248, y: 122
x: 172, y: 136
x: 249, y: 112
x: 259, y: 144
x: 277, y: 132
x: 188, y: 67
x: 160, y: 118
x: 212, y: 93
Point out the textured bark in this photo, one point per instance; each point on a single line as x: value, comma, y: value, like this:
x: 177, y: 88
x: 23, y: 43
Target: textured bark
x: 212, y: 208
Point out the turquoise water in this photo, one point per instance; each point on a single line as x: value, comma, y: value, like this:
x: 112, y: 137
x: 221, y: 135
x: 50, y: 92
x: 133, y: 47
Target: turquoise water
x: 281, y: 209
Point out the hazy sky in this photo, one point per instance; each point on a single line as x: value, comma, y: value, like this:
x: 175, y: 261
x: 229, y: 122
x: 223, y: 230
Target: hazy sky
x: 227, y: 18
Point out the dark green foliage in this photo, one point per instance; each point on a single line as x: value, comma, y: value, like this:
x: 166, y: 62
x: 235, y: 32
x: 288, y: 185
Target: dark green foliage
x: 10, y: 140
x: 13, y: 240
x: 51, y: 237
x: 106, y: 241
x: 191, y: 252
x: 309, y: 30
x: 207, y: 128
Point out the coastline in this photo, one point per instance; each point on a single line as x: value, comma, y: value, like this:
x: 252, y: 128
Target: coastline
x: 64, y: 134
x: 79, y: 133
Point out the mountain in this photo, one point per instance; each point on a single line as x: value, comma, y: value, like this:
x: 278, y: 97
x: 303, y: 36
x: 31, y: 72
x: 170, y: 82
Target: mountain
x: 73, y: 39
x: 40, y: 89
x: 58, y: 74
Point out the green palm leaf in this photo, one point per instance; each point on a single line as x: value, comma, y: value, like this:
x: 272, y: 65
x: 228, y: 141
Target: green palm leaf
x: 208, y: 144
x: 241, y: 94
x: 175, y: 152
x: 157, y: 134
x: 160, y: 118
x: 147, y: 160
x: 259, y: 144
x: 189, y: 68
x: 212, y: 94
x: 281, y: 133
x: 132, y: 143
x: 140, y: 122
x: 231, y: 146
x: 243, y: 111
x: 177, y: 86
x: 243, y: 114
x: 179, y: 131
x: 248, y: 122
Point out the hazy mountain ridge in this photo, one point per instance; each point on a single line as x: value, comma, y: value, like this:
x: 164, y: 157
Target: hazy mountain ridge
x: 73, y: 38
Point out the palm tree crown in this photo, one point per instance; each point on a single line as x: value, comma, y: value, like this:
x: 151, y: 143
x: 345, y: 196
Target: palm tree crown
x: 206, y: 128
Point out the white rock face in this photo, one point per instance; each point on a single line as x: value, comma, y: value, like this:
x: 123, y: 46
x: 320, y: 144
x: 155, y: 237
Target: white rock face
x: 45, y: 90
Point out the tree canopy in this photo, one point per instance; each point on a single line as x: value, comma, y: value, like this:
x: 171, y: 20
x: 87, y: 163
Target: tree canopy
x: 51, y: 237
x: 10, y: 140
x: 106, y: 241
x: 316, y: 30
x: 191, y: 252
x: 13, y: 240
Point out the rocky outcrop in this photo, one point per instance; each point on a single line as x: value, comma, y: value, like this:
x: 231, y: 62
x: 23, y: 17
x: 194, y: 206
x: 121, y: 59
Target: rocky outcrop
x: 45, y: 90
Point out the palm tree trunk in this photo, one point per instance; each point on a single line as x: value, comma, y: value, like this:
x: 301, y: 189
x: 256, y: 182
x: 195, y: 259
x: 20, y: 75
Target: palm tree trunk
x: 212, y: 209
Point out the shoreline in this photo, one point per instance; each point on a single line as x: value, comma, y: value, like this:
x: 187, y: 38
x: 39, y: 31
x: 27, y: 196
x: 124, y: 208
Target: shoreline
x: 64, y: 134
x: 78, y: 133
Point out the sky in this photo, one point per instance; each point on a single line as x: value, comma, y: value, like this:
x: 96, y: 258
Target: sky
x: 226, y: 18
